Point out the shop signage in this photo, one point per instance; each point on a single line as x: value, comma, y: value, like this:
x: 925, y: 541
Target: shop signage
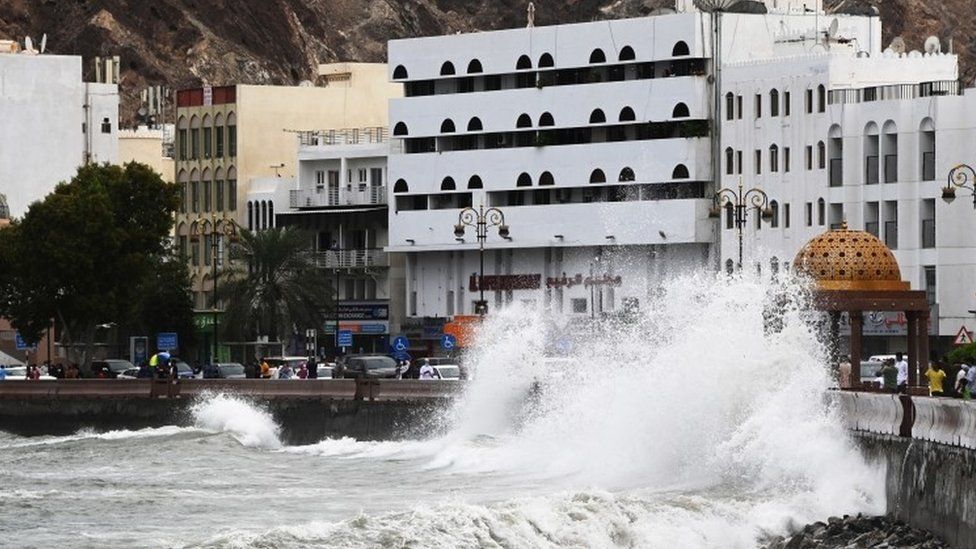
x: 597, y: 280
x: 505, y: 282
x: 364, y: 310
x: 887, y: 323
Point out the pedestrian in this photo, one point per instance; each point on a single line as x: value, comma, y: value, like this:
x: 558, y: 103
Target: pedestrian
x: 399, y: 369
x: 72, y: 371
x: 844, y: 373
x: 889, y: 375
x: 285, y: 371
x: 961, y: 381
x: 970, y: 381
x: 902, y: 366
x: 144, y: 371
x: 412, y: 371
x: 3, y: 372
x: 303, y: 371
x: 936, y: 379
x: 427, y: 371
x: 265, y: 369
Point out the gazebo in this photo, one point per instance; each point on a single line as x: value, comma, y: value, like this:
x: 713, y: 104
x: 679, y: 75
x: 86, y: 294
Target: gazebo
x: 854, y: 272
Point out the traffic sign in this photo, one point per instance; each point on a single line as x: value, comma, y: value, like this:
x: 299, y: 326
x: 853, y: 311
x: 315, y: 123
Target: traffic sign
x: 345, y: 338
x: 400, y: 344
x: 167, y: 341
x: 963, y: 337
x: 22, y: 345
x: 448, y: 342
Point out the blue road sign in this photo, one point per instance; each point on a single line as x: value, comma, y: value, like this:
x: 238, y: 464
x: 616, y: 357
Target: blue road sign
x: 21, y: 344
x: 345, y: 338
x: 167, y: 341
x: 400, y: 344
x: 564, y: 345
x: 448, y: 342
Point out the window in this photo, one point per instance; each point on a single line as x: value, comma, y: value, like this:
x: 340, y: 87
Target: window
x: 680, y: 172
x: 729, y: 216
x: 474, y: 67
x: 680, y: 49
x: 680, y: 111
x: 786, y: 215
x: 597, y: 56
x: 524, y: 121
x: 546, y: 61
x: 475, y: 182
x: 447, y: 69
x: 738, y: 104
x: 786, y: 159
x: 927, y: 149
x: 597, y: 117
x: 821, y: 212
x: 821, y: 98
x: 319, y: 180
x: 219, y: 185
x: 891, y: 224
x: 207, y: 249
x: 773, y: 159
x: 195, y: 143
x: 400, y: 129
x: 758, y: 106
x: 207, y: 142
x: 729, y: 161
x: 232, y: 140
x: 195, y: 196
x: 738, y: 162
x: 729, y: 106
x: 579, y: 305
x: 400, y: 186
x: 376, y: 177
x: 524, y: 180
x: 809, y: 215
x: 930, y: 284
x: 758, y: 162
x: 809, y: 101
x: 821, y: 155
x: 206, y: 195
x: 447, y: 184
x: 181, y: 137
x: 399, y: 72
x: 787, y: 103
x: 106, y: 125
x: 627, y: 115
x: 774, y: 103
x: 546, y: 180
x: 183, y: 197
x: 232, y: 195
x: 774, y: 220
x: 928, y: 223
x: 195, y: 252
x: 809, y: 157
x: 626, y: 175
x: 597, y: 176
x: 250, y: 215
x: 626, y: 54
x: 182, y: 247
x: 447, y: 126
x: 219, y: 142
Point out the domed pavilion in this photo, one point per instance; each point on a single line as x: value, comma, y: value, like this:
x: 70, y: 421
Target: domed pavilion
x: 854, y: 272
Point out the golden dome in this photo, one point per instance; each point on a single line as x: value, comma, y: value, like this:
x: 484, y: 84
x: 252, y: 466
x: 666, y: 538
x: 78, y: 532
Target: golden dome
x: 842, y: 259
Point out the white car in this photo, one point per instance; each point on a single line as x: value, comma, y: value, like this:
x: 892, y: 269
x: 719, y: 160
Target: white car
x: 448, y: 371
x: 19, y: 373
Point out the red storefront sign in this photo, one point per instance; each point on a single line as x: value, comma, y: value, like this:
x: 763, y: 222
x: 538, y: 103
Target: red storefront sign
x: 505, y: 282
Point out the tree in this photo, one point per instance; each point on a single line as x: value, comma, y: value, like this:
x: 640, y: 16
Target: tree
x: 83, y: 254
x: 276, y: 287
x: 964, y: 355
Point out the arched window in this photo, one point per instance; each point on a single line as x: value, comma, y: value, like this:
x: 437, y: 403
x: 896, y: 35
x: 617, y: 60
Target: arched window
x: 447, y: 126
x: 774, y: 158
x: 627, y: 115
x: 626, y: 175
x: 523, y: 63
x: 447, y: 184
x: 475, y: 182
x: 821, y: 98
x: 447, y: 69
x: 546, y: 180
x: 545, y: 61
x: 546, y: 120
x: 400, y: 72
x: 474, y: 125
x: 597, y: 117
x: 524, y: 121
x: 598, y: 56
x: 524, y: 180
x: 729, y: 161
x: 264, y: 215
x: 774, y: 102
x: 680, y: 172
x: 271, y: 220
x: 250, y: 215
x: 821, y: 155
x: 626, y: 54
x: 927, y: 148
x: 597, y: 176
x: 729, y: 216
x: 729, y: 106
x: 821, y: 212
x: 680, y: 49
x: 774, y: 208
x: 474, y: 67
x: 400, y: 129
x: 400, y: 186
x: 680, y: 111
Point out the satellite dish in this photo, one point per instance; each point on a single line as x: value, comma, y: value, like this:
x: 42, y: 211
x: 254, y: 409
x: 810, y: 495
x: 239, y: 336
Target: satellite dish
x: 28, y: 45
x: 933, y: 45
x: 832, y: 29
x: 898, y: 45
x: 43, y: 42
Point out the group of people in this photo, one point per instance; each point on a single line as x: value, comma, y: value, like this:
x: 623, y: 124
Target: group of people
x: 421, y: 369
x: 33, y: 372
x: 957, y: 380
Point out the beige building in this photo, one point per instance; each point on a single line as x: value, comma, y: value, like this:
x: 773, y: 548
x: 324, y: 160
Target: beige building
x: 148, y: 146
x: 230, y: 135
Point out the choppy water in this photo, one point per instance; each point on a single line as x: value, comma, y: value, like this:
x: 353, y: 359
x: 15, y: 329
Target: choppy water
x: 690, y: 429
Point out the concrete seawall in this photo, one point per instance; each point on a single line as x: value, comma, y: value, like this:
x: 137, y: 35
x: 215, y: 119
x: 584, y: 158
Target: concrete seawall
x: 307, y: 411
x: 928, y: 446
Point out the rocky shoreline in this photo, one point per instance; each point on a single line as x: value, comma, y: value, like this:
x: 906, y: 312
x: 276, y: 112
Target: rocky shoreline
x: 855, y: 532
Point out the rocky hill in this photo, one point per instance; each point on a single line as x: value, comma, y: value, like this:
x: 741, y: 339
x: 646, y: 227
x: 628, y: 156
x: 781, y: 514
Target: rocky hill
x: 183, y: 43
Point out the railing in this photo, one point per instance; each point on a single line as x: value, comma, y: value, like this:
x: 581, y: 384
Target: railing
x: 872, y: 227
x: 928, y: 233
x: 928, y: 166
x: 345, y: 136
x: 352, y: 259
x: 358, y: 196
x: 895, y: 91
x: 836, y: 172
x: 891, y: 234
x: 871, y: 170
x: 891, y: 168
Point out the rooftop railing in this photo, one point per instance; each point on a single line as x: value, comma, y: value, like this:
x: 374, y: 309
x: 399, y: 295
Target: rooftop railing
x: 345, y: 136
x: 895, y: 91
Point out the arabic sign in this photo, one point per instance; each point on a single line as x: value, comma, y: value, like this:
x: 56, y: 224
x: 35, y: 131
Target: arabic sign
x: 364, y: 310
x: 505, y: 282
x: 886, y: 323
x: 596, y: 280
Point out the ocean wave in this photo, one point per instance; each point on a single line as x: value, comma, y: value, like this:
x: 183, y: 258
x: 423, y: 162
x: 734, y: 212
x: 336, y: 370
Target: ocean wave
x: 90, y: 434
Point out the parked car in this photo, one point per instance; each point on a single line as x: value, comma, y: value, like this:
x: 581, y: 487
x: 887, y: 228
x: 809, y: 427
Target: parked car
x: 870, y: 370
x: 326, y: 370
x: 110, y: 368
x: 365, y: 366
x: 275, y: 362
x: 448, y: 371
x: 438, y: 361
x: 184, y: 370
x: 131, y: 373
x: 230, y: 370
x: 19, y: 373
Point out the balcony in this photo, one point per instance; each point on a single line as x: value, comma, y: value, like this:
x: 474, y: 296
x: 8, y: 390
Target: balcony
x: 891, y: 168
x: 891, y: 234
x: 871, y: 170
x: 928, y: 233
x: 322, y: 198
x: 346, y: 136
x: 352, y: 259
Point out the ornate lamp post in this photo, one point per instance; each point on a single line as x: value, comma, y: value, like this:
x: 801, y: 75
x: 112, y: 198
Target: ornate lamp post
x: 481, y: 219
x: 219, y: 227
x: 962, y: 176
x: 741, y: 200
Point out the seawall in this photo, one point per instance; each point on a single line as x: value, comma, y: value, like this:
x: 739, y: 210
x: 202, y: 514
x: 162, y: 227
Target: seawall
x: 307, y: 410
x: 928, y: 446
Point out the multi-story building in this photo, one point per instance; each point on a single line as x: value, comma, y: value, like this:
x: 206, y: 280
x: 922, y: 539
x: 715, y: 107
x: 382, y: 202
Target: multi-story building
x: 595, y: 140
x: 228, y: 136
x: 54, y: 122
x: 150, y: 146
x: 341, y: 200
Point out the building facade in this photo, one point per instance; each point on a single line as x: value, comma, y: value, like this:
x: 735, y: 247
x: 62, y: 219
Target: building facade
x: 54, y: 122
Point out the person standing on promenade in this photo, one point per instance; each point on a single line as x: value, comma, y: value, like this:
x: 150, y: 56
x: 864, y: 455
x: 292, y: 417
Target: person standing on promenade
x: 844, y: 373
x: 936, y: 379
x: 902, y: 366
x: 960, y: 384
x: 3, y: 372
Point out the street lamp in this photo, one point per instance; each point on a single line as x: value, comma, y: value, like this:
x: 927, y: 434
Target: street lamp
x: 741, y: 200
x: 962, y: 176
x: 481, y: 219
x: 218, y: 228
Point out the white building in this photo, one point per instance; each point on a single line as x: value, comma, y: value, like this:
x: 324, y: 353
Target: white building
x: 53, y: 122
x: 341, y: 197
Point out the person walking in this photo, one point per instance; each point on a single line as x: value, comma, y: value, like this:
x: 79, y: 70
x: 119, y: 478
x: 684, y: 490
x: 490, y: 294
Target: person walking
x: 3, y: 372
x: 265, y: 370
x: 961, y: 385
x: 971, y: 380
x: 902, y: 366
x: 936, y: 379
x: 844, y: 373
x: 889, y: 375
x: 303, y: 371
x: 427, y: 371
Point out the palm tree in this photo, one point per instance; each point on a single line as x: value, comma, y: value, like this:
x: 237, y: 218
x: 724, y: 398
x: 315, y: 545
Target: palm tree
x: 276, y: 285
